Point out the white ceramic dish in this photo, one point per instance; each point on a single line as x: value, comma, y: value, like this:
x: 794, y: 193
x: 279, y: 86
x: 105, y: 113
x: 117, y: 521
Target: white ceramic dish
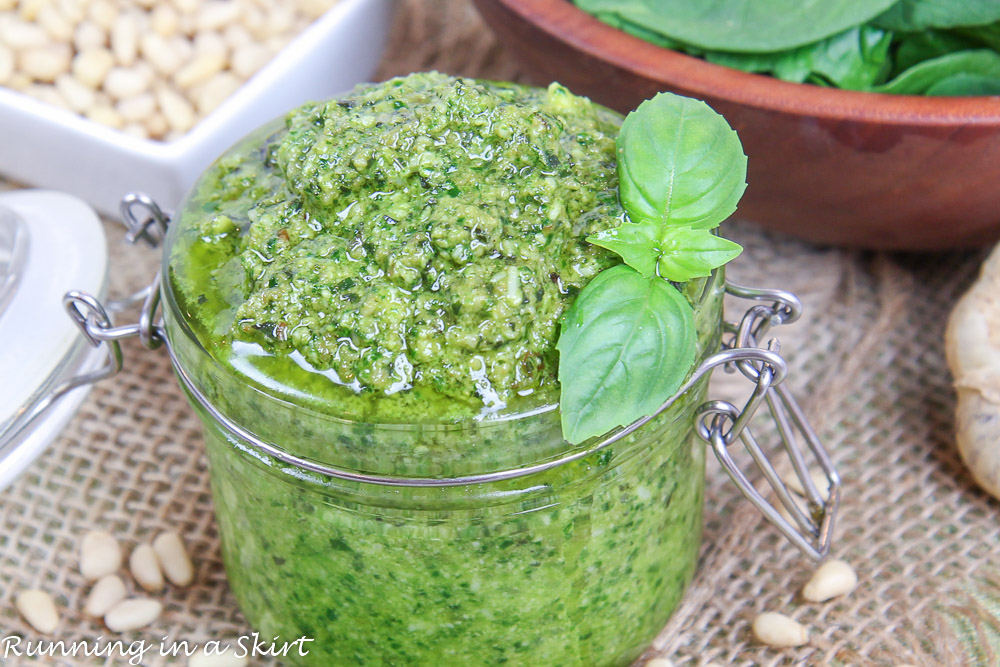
x: 49, y: 147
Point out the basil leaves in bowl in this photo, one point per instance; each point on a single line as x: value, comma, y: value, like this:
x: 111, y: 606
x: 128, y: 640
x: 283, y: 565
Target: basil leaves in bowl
x: 908, y: 170
x: 907, y: 47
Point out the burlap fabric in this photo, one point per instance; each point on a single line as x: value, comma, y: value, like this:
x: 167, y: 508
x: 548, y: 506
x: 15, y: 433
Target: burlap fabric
x: 867, y: 361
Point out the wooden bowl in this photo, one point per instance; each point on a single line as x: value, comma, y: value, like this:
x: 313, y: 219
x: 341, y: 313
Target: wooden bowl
x: 830, y: 166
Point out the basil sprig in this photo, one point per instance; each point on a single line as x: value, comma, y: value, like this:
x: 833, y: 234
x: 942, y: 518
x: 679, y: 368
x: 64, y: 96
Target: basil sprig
x: 629, y: 339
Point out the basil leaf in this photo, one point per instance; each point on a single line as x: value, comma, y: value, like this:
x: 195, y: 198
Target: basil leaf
x: 923, y: 76
x: 917, y: 47
x: 693, y: 253
x: 983, y: 35
x: 616, y: 21
x: 745, y: 26
x: 794, y: 65
x: 637, y: 243
x: 625, y: 347
x: 965, y: 85
x: 917, y: 15
x: 855, y: 59
x: 680, y: 253
x: 679, y: 163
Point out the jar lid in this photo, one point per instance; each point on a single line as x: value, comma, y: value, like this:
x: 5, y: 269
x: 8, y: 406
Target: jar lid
x: 50, y: 243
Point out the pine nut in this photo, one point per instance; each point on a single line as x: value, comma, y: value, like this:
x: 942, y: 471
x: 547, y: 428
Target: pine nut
x: 45, y: 63
x: 164, y: 20
x: 123, y: 82
x: 281, y: 18
x: 210, y: 42
x: 143, y: 563
x: 125, y: 40
x: 6, y: 64
x: 313, y: 9
x: 17, y: 34
x: 236, y: 35
x: 216, y: 14
x: 100, y: 554
x: 72, y: 10
x: 156, y: 125
x: 256, y: 23
x: 831, y: 579
x: 78, y: 97
x: 91, y: 67
x: 89, y: 35
x: 57, y: 27
x: 39, y: 610
x: 203, y: 67
x: 818, y: 477
x: 186, y: 6
x: 105, y: 115
x: 132, y: 614
x: 779, y: 630
x: 176, y: 109
x: 174, y: 559
x: 106, y: 593
x: 210, y: 94
x: 183, y: 47
x: 137, y: 109
x: 103, y: 13
x: 249, y: 58
x: 160, y: 54
x: 29, y: 9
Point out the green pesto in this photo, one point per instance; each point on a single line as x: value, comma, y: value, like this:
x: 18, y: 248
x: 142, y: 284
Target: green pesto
x: 443, y: 220
x: 416, y: 241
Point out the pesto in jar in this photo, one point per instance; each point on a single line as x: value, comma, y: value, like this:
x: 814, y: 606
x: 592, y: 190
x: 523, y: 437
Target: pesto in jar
x: 378, y: 282
x: 412, y: 244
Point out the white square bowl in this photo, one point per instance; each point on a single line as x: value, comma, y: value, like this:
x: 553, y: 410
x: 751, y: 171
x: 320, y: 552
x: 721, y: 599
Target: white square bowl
x: 49, y: 147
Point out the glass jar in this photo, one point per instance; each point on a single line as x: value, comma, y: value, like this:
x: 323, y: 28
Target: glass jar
x: 578, y: 564
x: 443, y: 539
x: 480, y: 542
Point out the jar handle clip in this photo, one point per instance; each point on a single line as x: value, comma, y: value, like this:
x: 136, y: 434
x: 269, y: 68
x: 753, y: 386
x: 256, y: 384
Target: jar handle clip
x: 721, y: 424
x: 95, y: 319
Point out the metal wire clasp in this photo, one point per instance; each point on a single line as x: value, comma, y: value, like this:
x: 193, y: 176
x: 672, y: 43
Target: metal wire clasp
x: 94, y: 318
x: 145, y: 221
x: 721, y: 424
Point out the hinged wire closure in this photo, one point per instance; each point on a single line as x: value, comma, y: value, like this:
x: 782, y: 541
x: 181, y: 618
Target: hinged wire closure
x: 720, y: 423
x: 93, y: 318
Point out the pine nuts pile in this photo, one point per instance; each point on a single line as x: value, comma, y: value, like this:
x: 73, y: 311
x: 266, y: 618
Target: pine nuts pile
x: 100, y: 560
x: 147, y: 67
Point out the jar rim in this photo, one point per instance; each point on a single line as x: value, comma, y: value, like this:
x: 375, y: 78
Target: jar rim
x: 557, y: 458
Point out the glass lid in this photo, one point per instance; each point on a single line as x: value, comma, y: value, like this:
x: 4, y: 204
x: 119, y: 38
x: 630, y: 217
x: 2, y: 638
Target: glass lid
x: 13, y: 253
x: 50, y: 243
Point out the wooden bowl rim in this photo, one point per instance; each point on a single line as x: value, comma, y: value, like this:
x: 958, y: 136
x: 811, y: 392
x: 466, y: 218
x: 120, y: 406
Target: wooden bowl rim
x: 566, y: 22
